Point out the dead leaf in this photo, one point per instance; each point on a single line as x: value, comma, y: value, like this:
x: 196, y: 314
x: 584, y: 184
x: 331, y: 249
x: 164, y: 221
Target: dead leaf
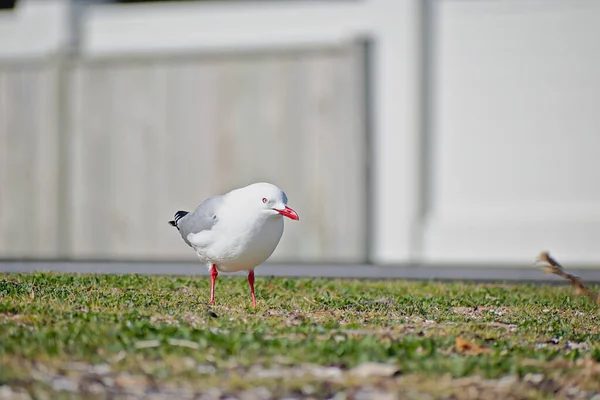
x: 466, y: 347
x: 133, y: 384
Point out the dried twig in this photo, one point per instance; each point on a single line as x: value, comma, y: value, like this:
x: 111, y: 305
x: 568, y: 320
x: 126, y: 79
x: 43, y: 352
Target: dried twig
x: 553, y: 267
x: 145, y: 344
x: 184, y: 343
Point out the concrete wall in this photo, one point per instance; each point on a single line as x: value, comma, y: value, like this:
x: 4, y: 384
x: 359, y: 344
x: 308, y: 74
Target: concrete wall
x: 516, y: 131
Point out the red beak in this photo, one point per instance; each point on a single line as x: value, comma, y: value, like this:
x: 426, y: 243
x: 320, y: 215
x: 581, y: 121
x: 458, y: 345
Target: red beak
x: 288, y: 212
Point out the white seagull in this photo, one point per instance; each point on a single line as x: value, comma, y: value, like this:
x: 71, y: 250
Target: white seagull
x: 236, y: 231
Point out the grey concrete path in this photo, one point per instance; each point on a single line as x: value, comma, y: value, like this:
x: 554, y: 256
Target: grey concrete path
x: 489, y: 273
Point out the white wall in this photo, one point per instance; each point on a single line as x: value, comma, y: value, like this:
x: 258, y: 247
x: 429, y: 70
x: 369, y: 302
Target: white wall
x: 509, y: 159
x: 514, y: 149
x: 34, y: 28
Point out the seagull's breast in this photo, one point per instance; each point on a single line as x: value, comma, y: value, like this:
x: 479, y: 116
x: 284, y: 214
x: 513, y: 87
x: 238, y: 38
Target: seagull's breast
x: 244, y: 246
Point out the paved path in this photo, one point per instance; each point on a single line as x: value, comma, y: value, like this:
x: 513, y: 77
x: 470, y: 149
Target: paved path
x: 489, y: 273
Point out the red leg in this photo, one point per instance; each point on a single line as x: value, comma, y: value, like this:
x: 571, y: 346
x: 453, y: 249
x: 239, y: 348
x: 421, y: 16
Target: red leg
x: 213, y: 277
x: 251, y: 282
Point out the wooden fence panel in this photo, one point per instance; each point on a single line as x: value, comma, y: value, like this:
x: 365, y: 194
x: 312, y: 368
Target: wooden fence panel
x: 152, y: 136
x: 28, y: 161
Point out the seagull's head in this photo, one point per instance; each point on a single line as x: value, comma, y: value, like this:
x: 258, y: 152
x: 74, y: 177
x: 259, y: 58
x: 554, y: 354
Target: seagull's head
x: 269, y: 200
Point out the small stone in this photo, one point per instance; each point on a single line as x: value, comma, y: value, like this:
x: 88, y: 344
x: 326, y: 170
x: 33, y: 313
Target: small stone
x: 507, y: 381
x: 211, y: 394
x: 189, y: 362
x: 95, y: 388
x: 308, y: 389
x: 131, y: 383
x: 5, y: 392
x: 258, y: 393
x: 325, y: 373
x: 577, y: 346
x: 101, y: 369
x: 365, y: 394
x: 64, y: 385
x: 273, y: 373
x: 340, y: 396
x: 413, y: 394
x: 331, y: 373
x: 206, y: 369
x: 375, y: 369
x: 108, y: 381
x: 574, y: 392
x: 76, y: 366
x: 535, y: 379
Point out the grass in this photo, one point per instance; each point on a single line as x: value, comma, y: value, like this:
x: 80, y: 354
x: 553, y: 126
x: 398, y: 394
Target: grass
x: 73, y: 335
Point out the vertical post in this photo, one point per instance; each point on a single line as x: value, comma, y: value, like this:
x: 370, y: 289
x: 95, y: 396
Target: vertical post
x: 426, y: 128
x: 397, y: 142
x: 65, y: 56
x: 366, y: 95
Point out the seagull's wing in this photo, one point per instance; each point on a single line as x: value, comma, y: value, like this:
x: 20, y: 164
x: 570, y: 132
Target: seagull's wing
x: 204, y: 217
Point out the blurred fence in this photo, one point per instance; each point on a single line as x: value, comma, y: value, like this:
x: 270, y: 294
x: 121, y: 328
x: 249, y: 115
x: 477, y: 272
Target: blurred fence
x: 466, y: 132
x: 142, y: 138
x: 29, y: 160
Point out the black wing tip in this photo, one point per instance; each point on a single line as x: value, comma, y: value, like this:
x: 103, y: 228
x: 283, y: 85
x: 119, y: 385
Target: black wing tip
x: 178, y: 216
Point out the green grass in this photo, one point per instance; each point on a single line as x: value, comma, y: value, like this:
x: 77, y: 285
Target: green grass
x: 152, y: 332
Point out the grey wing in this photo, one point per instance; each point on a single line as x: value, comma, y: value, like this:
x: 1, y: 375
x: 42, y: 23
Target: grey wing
x: 203, y: 218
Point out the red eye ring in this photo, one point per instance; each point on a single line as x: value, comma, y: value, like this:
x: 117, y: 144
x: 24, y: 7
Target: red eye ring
x: 264, y: 200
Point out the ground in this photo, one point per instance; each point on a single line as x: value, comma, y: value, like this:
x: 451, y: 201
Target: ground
x: 130, y: 336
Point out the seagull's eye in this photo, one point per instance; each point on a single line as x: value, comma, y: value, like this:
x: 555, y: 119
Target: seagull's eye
x: 264, y: 200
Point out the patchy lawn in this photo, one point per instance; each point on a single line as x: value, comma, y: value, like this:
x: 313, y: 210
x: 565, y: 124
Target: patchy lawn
x: 101, y: 336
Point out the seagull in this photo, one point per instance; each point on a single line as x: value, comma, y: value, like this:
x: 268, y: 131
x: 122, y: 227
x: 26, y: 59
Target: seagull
x: 236, y: 231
